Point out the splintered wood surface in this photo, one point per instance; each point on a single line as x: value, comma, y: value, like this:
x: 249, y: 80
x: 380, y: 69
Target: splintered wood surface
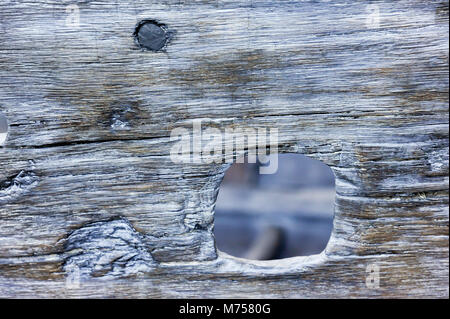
x: 88, y: 187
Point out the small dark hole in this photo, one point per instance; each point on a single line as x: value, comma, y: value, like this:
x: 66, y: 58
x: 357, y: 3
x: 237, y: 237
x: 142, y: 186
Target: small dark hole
x: 151, y: 35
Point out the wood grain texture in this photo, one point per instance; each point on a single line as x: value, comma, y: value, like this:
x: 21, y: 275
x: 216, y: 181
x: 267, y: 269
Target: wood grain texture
x: 86, y: 177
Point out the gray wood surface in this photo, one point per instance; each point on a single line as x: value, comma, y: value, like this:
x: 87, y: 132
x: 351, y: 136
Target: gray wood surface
x: 86, y: 178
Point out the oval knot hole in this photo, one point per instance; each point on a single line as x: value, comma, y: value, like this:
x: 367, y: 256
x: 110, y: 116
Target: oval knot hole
x: 273, y: 216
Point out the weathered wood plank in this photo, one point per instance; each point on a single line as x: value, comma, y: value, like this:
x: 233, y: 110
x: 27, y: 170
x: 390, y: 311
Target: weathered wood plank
x: 86, y: 176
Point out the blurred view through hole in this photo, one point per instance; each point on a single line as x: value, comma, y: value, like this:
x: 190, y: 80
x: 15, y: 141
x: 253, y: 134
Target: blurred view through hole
x: 286, y: 214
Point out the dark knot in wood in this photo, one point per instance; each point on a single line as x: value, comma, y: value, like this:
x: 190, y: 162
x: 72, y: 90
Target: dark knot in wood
x: 151, y: 35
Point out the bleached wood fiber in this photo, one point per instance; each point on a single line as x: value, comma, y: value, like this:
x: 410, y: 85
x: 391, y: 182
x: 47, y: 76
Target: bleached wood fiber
x: 86, y: 178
